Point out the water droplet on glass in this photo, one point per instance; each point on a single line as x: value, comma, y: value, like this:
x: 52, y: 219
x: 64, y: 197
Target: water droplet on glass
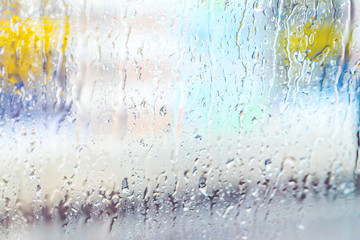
x: 162, y: 111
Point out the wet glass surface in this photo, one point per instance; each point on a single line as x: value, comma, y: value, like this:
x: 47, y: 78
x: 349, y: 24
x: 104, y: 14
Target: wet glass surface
x: 178, y: 119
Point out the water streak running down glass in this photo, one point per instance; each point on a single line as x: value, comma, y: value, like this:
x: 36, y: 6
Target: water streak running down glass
x: 179, y: 119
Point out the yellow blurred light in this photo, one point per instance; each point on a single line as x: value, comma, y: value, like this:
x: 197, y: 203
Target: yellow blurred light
x: 27, y: 46
x: 308, y: 41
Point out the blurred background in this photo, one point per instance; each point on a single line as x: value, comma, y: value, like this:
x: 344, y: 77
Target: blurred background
x: 177, y: 119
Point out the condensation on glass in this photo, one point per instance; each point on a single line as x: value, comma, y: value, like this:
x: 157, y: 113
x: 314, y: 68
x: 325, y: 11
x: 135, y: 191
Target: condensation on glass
x: 208, y: 119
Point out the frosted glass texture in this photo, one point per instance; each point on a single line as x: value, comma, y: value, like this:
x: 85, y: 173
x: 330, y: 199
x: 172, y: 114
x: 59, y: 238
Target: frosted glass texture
x: 179, y: 119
